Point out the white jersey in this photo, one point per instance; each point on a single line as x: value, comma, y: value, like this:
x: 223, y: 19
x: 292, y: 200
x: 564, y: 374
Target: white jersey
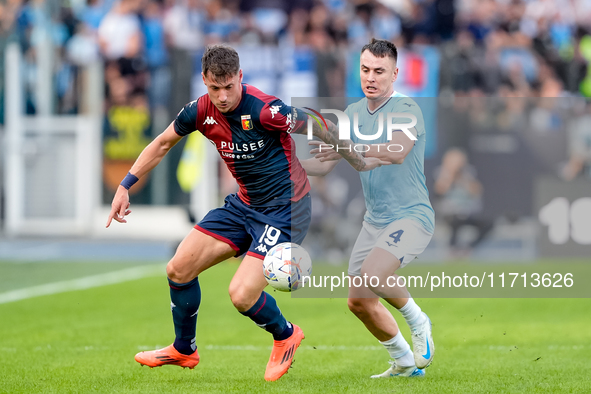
x: 396, y: 191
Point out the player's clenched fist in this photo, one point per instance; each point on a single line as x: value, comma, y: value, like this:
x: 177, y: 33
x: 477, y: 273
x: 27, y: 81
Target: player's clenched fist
x: 119, y: 206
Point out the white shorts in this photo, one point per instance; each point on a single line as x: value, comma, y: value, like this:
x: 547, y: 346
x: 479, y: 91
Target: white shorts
x: 404, y: 238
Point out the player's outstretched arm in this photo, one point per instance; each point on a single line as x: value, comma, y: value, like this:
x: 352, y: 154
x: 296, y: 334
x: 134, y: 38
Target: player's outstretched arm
x: 147, y: 160
x: 328, y: 158
x: 392, y: 152
x: 345, y: 147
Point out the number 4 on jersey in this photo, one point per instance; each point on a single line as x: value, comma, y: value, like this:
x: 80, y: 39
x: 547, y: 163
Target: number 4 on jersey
x: 396, y: 236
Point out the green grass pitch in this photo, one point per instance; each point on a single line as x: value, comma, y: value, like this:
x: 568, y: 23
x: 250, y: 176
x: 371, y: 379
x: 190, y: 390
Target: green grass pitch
x: 84, y: 341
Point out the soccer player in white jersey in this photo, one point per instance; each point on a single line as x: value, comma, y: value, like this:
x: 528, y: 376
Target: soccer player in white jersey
x: 399, y: 221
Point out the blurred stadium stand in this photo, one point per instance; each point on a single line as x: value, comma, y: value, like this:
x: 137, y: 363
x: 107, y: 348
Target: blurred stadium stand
x: 511, y: 78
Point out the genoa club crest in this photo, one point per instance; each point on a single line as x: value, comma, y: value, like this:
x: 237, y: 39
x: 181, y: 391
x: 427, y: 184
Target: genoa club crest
x: 246, y: 122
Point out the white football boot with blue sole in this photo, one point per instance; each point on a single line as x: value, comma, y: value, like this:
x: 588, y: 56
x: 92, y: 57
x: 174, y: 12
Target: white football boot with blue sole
x: 423, y: 347
x: 396, y: 371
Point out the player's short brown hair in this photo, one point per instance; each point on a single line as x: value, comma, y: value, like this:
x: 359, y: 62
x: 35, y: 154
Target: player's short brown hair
x: 381, y: 48
x: 221, y: 61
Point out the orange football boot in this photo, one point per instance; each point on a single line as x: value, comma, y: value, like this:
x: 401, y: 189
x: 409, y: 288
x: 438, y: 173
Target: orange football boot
x: 168, y: 355
x: 282, y: 355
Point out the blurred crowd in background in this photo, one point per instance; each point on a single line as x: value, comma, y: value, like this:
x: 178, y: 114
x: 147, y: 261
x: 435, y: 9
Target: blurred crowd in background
x: 151, y: 48
x: 499, y: 63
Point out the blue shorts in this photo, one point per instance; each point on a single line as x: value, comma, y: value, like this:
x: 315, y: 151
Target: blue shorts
x: 255, y: 230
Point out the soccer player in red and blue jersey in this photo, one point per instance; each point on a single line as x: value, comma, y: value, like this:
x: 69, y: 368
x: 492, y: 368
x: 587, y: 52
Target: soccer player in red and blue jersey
x: 251, y: 131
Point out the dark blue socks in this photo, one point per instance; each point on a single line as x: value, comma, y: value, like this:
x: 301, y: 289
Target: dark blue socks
x: 267, y: 315
x: 186, y: 299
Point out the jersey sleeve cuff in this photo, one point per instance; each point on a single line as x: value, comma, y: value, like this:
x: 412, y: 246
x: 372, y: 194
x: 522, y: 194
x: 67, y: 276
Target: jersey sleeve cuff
x: 176, y: 131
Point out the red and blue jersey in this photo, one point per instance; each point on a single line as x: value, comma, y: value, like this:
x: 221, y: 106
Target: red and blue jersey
x: 255, y: 143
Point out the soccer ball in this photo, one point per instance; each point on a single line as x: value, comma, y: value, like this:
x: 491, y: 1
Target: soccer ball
x: 285, y: 266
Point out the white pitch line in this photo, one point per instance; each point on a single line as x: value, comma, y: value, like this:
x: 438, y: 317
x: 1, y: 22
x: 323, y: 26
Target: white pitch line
x: 84, y: 283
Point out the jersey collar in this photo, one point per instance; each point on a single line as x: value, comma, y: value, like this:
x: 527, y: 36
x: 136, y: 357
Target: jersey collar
x: 381, y: 105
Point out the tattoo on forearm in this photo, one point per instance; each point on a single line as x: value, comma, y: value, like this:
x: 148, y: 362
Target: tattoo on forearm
x: 344, y: 147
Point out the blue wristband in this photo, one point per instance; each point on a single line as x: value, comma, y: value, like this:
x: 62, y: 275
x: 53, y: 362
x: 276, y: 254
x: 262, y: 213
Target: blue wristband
x: 129, y: 180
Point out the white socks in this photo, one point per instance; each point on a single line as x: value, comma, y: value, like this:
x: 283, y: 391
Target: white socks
x: 399, y: 350
x: 412, y: 314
